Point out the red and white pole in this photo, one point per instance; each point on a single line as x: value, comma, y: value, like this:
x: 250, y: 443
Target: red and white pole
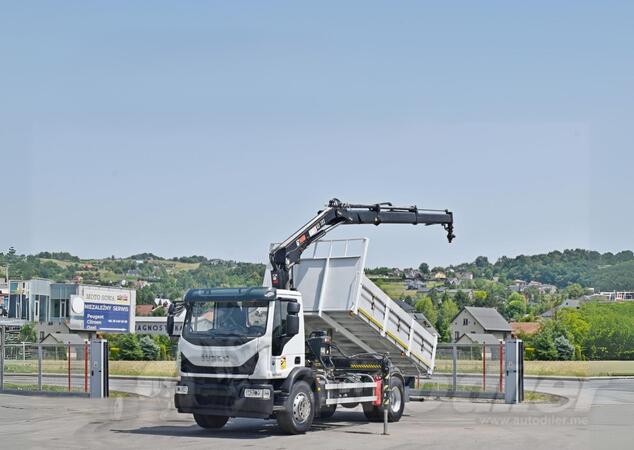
x: 69, y: 366
x: 501, y: 364
x: 484, y: 367
x: 85, y: 366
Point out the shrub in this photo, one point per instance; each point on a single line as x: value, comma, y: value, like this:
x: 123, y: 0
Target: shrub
x: 149, y: 348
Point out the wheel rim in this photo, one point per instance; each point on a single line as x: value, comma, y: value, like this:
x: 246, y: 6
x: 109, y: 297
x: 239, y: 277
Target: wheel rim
x: 301, y: 407
x: 395, y: 399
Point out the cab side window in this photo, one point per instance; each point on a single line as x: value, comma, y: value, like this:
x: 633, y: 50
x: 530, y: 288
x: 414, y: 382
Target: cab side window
x: 279, y: 325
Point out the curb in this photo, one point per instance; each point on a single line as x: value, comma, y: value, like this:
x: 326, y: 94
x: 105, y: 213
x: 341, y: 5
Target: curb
x: 142, y: 377
x: 546, y: 377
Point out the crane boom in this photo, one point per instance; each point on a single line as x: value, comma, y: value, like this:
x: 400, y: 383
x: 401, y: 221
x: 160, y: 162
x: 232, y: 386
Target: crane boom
x: 285, y: 255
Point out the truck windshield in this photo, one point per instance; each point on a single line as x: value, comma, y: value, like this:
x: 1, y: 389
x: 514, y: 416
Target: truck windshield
x: 226, y: 319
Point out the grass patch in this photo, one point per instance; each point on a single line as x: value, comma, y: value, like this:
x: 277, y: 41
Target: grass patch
x: 144, y: 368
x: 53, y: 388
x: 448, y: 387
x: 580, y: 368
x: 546, y: 368
x: 33, y: 387
x: 540, y: 397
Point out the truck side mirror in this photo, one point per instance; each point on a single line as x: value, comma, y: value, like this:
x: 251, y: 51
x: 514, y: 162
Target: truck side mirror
x: 170, y: 325
x: 292, y: 308
x: 292, y: 325
x: 292, y: 318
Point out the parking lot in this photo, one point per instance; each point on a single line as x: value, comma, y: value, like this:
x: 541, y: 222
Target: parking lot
x: 595, y: 414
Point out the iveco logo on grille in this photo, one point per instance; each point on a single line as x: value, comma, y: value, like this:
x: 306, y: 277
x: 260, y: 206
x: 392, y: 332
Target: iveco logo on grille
x: 214, y: 358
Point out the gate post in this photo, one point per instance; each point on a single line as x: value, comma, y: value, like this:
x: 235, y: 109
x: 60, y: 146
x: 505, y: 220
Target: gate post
x: 514, y: 359
x: 2, y: 353
x: 39, y: 366
x: 454, y: 375
x: 99, y: 368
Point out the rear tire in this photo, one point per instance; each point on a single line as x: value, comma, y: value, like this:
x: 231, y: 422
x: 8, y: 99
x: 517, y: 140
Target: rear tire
x: 210, y: 422
x: 396, y: 407
x: 297, y: 417
x: 327, y: 412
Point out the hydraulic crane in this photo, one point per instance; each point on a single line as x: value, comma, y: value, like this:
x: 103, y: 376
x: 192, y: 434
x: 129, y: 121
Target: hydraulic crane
x: 285, y: 255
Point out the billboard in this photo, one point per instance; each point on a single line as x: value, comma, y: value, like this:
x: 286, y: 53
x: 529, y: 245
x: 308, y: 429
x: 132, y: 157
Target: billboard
x: 99, y: 308
x: 105, y: 317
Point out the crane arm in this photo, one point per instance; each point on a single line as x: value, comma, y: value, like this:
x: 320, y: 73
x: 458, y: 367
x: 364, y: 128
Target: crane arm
x: 285, y: 255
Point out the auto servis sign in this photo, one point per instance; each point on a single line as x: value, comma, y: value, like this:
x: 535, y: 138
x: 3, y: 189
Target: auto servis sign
x: 101, y: 309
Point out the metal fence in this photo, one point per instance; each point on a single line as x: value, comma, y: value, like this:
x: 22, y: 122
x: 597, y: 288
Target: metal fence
x: 466, y: 370
x: 54, y: 368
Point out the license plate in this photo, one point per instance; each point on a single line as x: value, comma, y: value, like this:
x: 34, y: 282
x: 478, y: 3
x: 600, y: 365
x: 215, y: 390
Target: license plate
x: 182, y: 389
x: 257, y: 393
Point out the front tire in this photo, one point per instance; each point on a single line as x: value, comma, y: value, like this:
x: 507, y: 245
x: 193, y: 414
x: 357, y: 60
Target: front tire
x: 297, y: 417
x: 396, y: 407
x: 210, y: 422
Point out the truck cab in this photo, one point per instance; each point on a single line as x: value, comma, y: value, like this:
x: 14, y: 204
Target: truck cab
x: 237, y: 351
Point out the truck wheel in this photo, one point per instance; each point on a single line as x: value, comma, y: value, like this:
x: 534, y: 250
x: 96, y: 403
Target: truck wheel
x: 299, y: 410
x: 396, y: 407
x: 210, y: 422
x: 327, y: 412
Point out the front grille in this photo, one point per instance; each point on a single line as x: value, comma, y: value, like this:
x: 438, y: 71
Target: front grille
x: 245, y: 369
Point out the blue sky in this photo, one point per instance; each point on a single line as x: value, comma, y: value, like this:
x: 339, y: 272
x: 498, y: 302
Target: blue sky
x: 215, y: 128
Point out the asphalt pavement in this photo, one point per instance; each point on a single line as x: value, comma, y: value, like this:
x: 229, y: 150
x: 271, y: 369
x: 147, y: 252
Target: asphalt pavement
x: 592, y: 414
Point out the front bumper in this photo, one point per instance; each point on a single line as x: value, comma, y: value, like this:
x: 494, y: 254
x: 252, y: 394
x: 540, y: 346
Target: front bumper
x: 223, y: 398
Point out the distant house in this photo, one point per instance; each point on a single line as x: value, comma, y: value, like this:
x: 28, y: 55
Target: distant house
x: 418, y: 317
x: 415, y: 285
x: 465, y: 275
x: 439, y: 276
x: 525, y: 328
x: 396, y: 273
x: 412, y: 274
x: 453, y: 281
x: 618, y: 296
x: 144, y: 310
x: 571, y: 303
x: 490, y: 343
x: 453, y: 292
x: 477, y: 338
x: 568, y: 303
x: 542, y: 288
x: 76, y: 342
x: 405, y: 306
x: 475, y: 320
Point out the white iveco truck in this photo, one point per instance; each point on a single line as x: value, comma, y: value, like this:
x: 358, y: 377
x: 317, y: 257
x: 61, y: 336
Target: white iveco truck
x: 319, y: 335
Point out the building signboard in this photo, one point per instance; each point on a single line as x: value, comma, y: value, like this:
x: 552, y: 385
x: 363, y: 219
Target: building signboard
x: 99, y: 308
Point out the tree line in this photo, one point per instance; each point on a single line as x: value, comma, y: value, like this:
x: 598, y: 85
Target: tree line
x: 595, y: 331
